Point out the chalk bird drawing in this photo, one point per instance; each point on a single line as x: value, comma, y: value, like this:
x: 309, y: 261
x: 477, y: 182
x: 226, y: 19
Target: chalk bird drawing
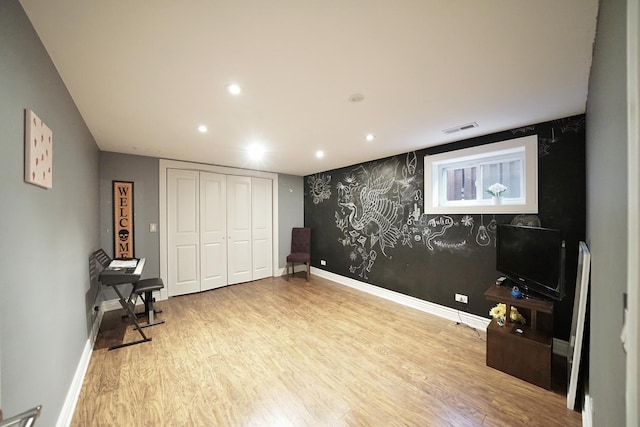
x: 375, y: 210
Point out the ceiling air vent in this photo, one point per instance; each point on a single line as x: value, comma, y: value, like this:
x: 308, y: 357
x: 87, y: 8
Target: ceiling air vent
x: 461, y: 128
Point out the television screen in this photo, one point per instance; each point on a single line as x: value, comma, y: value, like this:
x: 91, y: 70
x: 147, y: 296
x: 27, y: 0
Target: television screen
x: 532, y: 258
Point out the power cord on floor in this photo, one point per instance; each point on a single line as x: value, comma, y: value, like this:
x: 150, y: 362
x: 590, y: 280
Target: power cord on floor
x: 460, y: 322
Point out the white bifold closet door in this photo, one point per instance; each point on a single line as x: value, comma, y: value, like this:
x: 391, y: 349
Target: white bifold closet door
x: 262, y: 227
x: 213, y: 223
x: 219, y: 230
x: 239, y: 254
x: 183, y: 231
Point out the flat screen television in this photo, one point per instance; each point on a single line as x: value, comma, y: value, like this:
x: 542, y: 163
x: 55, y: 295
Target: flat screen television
x: 532, y: 258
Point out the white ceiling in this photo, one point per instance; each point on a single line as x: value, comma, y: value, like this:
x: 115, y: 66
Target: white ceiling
x: 145, y: 73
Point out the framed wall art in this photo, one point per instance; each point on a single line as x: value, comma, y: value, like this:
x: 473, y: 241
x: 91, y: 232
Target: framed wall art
x: 123, y: 219
x: 578, y: 322
x: 38, y: 151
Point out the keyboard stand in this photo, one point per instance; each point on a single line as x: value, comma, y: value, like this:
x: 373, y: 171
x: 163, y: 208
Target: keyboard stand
x: 129, y: 305
x: 117, y: 277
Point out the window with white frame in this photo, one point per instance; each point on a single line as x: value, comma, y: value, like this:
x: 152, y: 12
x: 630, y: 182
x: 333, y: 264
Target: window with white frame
x: 461, y: 181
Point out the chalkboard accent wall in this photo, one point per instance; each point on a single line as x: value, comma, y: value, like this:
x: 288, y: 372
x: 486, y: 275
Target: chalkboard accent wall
x: 368, y: 223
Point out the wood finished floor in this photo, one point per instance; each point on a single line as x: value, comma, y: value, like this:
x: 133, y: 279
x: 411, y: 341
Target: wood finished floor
x: 297, y: 353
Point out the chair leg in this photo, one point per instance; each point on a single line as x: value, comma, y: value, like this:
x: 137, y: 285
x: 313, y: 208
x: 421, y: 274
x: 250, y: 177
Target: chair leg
x: 287, y: 263
x: 308, y: 270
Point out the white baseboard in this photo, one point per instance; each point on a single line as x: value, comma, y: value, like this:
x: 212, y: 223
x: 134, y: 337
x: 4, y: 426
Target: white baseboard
x: 408, y: 301
x: 587, y: 411
x: 70, y: 402
x: 560, y: 347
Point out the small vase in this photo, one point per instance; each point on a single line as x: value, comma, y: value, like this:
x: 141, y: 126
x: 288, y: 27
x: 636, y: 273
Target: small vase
x: 497, y: 200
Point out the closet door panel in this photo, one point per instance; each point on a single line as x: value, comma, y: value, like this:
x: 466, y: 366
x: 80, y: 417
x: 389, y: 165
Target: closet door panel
x: 239, y: 266
x: 183, y: 238
x: 213, y: 225
x: 262, y: 226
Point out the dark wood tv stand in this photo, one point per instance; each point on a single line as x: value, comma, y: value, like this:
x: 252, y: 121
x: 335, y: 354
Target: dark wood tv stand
x: 528, y: 355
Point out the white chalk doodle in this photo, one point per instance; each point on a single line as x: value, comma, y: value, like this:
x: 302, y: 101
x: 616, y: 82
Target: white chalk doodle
x: 482, y: 238
x: 450, y: 245
x: 523, y: 129
x: 493, y: 225
x: 441, y: 224
x: 573, y: 125
x: 412, y: 162
x: 406, y: 188
x: 545, y: 144
x: 406, y: 236
x: 319, y: 187
x: 467, y: 221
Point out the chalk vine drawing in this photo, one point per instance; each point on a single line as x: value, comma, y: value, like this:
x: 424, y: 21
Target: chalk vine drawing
x: 319, y: 187
x: 437, y: 227
x: 545, y: 144
x: 572, y: 124
x: 524, y: 129
x: 566, y: 125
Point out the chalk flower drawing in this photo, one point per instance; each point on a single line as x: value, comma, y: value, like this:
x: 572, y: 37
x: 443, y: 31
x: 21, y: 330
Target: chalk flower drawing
x: 496, y: 189
x: 319, y: 187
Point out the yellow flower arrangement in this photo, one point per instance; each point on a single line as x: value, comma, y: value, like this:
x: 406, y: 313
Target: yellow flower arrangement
x: 500, y: 310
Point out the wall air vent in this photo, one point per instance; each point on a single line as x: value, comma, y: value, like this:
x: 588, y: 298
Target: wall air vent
x: 461, y: 128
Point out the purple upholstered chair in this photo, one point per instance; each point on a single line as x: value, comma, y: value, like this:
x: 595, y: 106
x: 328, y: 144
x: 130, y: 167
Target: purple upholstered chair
x: 300, y: 249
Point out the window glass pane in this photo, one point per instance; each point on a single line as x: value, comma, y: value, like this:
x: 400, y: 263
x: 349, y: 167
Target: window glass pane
x: 508, y: 174
x: 461, y: 184
x: 456, y: 182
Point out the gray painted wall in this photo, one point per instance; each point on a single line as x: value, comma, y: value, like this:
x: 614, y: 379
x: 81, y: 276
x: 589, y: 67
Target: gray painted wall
x: 290, y: 212
x: 143, y: 172
x: 607, y: 213
x: 47, y: 235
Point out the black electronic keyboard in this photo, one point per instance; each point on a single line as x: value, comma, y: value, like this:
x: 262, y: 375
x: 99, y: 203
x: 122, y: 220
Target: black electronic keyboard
x: 120, y: 271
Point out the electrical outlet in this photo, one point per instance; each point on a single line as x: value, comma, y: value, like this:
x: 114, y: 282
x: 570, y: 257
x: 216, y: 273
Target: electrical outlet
x: 462, y: 298
x: 323, y: 262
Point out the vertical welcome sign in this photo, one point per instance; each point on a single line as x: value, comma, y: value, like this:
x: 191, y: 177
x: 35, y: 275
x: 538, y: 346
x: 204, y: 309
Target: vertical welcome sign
x: 123, y: 219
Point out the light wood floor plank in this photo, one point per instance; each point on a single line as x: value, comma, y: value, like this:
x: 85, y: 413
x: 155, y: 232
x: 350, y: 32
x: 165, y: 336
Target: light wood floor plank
x: 297, y: 353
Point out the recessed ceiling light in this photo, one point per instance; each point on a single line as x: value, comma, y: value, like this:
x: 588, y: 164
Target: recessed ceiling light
x: 256, y: 152
x: 234, y: 89
x: 202, y: 129
x: 319, y: 154
x: 370, y: 137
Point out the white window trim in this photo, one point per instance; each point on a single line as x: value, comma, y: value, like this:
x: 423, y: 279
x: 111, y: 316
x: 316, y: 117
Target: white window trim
x: 433, y: 204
